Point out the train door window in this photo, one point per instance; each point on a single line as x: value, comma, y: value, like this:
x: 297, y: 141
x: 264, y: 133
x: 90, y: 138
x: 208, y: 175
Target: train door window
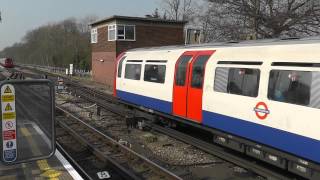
x: 133, y: 71
x: 182, y: 70
x: 120, y: 66
x: 292, y: 86
x: 198, y: 71
x: 154, y: 73
x: 240, y: 81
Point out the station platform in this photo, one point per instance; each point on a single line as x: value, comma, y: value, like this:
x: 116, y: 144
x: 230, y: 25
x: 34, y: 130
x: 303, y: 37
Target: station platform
x: 33, y: 141
x: 54, y: 168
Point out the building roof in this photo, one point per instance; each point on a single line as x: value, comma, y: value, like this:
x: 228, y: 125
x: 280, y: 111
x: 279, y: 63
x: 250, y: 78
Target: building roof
x: 140, y: 19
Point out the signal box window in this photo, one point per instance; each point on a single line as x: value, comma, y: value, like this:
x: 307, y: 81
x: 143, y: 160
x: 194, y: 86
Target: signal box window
x: 112, y: 32
x: 198, y: 71
x: 240, y: 81
x: 121, y: 32
x: 155, y: 73
x: 133, y: 71
x: 182, y: 70
x: 120, y: 66
x: 130, y: 33
x: 293, y: 87
x: 94, y: 35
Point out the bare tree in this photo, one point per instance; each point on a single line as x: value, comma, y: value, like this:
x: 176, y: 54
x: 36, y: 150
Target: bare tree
x: 267, y: 18
x: 83, y: 24
x: 55, y: 44
x: 178, y: 9
x: 155, y: 14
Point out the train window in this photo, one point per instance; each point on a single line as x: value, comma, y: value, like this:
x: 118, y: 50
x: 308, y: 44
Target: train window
x: 198, y: 71
x: 292, y: 87
x: 133, y: 71
x: 155, y: 73
x: 240, y: 81
x: 120, y: 66
x: 181, y: 70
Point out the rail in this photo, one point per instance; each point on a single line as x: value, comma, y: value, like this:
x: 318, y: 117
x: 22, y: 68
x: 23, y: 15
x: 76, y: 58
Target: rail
x: 114, y: 152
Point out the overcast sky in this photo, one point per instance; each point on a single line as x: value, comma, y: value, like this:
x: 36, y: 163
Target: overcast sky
x: 20, y: 16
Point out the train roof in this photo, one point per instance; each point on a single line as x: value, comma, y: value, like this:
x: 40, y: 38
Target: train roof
x: 264, y: 42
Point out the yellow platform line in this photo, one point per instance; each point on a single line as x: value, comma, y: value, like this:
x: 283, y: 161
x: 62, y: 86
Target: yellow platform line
x: 43, y: 165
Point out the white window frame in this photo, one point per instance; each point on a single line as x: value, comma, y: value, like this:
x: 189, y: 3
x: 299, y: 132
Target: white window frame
x: 94, y: 35
x: 115, y: 27
x: 110, y: 28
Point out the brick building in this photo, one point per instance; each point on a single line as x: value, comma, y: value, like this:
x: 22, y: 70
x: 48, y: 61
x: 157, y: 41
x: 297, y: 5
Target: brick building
x: 114, y: 35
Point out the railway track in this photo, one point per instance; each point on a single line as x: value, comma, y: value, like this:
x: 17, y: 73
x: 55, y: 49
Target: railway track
x: 265, y: 170
x: 109, y: 103
x: 98, y: 147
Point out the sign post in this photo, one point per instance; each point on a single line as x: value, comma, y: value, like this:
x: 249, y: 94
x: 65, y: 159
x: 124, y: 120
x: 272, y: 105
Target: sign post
x: 9, y: 131
x: 71, y: 69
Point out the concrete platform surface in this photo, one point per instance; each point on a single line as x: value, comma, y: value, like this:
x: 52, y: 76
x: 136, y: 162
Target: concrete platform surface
x: 54, y: 168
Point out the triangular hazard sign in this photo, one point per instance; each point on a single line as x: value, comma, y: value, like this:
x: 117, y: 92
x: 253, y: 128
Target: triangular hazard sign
x: 8, y: 107
x: 7, y: 90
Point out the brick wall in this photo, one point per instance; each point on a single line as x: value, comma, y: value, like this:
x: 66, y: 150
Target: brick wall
x: 103, y: 44
x: 103, y: 72
x: 148, y: 36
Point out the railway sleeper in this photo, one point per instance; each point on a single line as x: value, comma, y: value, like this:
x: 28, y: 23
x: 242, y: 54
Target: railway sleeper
x: 279, y: 159
x: 266, y: 154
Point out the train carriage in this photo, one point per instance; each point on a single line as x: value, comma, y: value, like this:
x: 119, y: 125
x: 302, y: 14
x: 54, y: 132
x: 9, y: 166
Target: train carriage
x: 266, y: 93
x: 6, y: 62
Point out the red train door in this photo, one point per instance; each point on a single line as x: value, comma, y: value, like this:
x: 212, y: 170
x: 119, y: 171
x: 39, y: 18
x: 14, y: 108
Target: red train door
x: 188, y: 85
x: 180, y: 84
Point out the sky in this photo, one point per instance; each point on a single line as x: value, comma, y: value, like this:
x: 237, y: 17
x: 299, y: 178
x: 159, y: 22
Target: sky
x: 21, y: 16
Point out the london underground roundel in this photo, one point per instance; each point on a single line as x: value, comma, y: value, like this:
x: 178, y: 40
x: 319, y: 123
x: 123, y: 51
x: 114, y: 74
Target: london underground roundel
x: 261, y: 110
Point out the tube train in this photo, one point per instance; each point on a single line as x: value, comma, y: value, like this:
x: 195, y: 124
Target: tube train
x: 6, y: 62
x: 261, y: 98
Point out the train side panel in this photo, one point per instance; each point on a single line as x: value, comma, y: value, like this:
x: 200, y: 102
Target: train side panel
x: 6, y: 62
x: 288, y: 127
x: 156, y: 96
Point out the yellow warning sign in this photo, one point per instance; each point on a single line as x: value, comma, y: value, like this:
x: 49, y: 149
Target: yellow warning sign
x: 8, y: 115
x: 8, y: 107
x: 7, y: 90
x: 7, y: 98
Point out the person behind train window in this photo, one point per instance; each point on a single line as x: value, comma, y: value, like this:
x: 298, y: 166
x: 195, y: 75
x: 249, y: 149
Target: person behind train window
x: 197, y: 77
x: 278, y: 95
x: 297, y: 93
x: 233, y: 88
x: 137, y: 73
x: 154, y: 74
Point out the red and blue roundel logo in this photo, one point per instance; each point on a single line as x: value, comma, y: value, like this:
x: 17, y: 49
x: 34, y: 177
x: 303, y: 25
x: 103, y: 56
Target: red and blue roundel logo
x: 261, y: 110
